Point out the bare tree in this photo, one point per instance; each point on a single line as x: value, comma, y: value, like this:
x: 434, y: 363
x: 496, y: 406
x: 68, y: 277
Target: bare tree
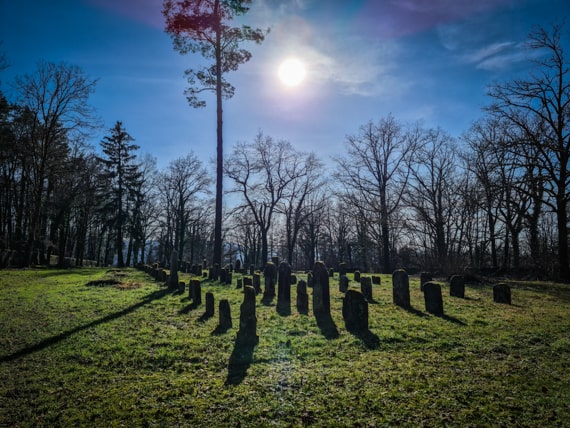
x: 263, y: 172
x: 374, y: 176
x: 544, y: 98
x: 56, y: 96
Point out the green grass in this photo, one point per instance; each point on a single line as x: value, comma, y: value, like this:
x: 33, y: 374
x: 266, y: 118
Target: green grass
x: 73, y: 354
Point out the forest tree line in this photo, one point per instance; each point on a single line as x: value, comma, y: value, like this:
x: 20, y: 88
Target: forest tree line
x: 494, y: 199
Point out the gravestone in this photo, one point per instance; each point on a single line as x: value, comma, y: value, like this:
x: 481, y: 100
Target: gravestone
x: 257, y: 282
x: 195, y: 291
x: 433, y: 299
x: 239, y: 283
x: 310, y: 279
x: 457, y: 286
x: 209, y: 304
x: 366, y: 287
x: 401, y: 288
x: 342, y: 268
x: 355, y: 311
x: 247, y: 280
x: 181, y: 287
x: 302, y: 298
x: 331, y: 273
x: 225, y: 315
x: 357, y: 276
x: 321, y: 290
x: 502, y: 293
x: 173, y: 279
x: 270, y: 275
x: 247, y: 334
x: 284, y: 288
x: 293, y: 279
x: 343, y: 283
x: 424, y: 277
x: 237, y: 266
x: 376, y: 280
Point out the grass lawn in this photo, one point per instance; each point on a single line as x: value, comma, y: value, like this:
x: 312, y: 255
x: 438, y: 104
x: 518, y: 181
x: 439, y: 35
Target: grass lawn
x: 76, y: 350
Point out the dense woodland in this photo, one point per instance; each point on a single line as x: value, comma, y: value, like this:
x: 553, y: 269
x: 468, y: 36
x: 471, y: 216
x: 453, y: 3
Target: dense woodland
x: 493, y: 200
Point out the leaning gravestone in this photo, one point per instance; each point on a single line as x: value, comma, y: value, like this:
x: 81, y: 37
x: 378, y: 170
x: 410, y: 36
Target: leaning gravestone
x: 424, y: 277
x: 302, y: 298
x: 343, y: 283
x: 270, y: 275
x: 502, y: 293
x: 433, y: 299
x: 321, y: 290
x: 401, y: 288
x: 366, y: 287
x: 284, y: 288
x: 225, y: 315
x: 209, y: 304
x: 247, y: 334
x: 355, y: 311
x: 457, y: 286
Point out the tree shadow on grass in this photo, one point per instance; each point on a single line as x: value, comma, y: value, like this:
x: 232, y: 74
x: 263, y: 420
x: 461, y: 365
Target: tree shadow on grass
x: 327, y: 326
x: 58, y: 338
x: 240, y: 360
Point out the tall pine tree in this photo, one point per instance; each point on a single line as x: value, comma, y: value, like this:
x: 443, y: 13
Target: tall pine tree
x: 119, y: 181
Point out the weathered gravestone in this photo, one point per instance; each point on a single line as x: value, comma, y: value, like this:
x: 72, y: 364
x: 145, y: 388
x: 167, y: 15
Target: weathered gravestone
x: 343, y: 283
x: 356, y: 276
x: 195, y: 292
x: 284, y: 288
x: 247, y: 334
x: 376, y: 280
x: 502, y: 293
x: 257, y: 282
x: 293, y: 279
x: 225, y: 316
x: 433, y: 299
x: 270, y: 275
x: 424, y: 277
x: 342, y: 268
x: 302, y: 298
x: 457, y: 286
x: 366, y: 287
x: 401, y: 288
x: 209, y: 304
x: 173, y: 278
x: 321, y: 290
x: 239, y: 283
x: 355, y: 311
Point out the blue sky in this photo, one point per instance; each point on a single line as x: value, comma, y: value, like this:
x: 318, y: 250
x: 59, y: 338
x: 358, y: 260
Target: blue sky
x: 428, y: 60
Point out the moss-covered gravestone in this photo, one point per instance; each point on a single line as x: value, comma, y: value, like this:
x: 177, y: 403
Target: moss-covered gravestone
x: 302, y: 298
x: 502, y: 294
x: 321, y: 290
x: 433, y: 299
x: 225, y: 315
x: 355, y: 311
x: 401, y: 288
x: 457, y: 286
x: 247, y: 334
x: 195, y: 292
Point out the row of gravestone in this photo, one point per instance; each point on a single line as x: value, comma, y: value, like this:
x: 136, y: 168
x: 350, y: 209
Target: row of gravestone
x: 355, y: 303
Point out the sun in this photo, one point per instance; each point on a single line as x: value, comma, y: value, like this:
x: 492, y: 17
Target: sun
x: 292, y: 72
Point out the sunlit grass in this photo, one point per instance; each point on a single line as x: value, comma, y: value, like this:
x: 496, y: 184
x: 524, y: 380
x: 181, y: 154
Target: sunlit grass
x: 79, y: 355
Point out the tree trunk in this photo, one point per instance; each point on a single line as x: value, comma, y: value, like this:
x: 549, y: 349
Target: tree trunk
x: 220, y: 147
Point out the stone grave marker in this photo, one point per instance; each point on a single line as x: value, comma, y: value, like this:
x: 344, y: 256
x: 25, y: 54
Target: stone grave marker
x: 302, y: 298
x: 433, y: 299
x: 401, y: 288
x: 355, y: 311
x: 457, y: 286
x: 247, y: 334
x: 502, y: 293
x: 366, y: 287
x: 321, y: 290
x: 343, y: 283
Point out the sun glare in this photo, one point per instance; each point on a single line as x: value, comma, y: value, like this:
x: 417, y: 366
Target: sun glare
x: 292, y: 72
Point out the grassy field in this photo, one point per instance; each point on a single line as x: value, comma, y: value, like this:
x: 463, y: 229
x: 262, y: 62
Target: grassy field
x: 77, y: 352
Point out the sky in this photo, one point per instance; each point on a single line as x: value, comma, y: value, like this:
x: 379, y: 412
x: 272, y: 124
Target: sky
x: 419, y: 60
